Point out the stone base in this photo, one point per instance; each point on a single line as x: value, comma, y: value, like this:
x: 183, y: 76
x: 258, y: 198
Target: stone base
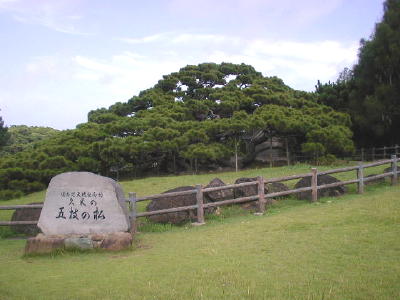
x: 47, y: 243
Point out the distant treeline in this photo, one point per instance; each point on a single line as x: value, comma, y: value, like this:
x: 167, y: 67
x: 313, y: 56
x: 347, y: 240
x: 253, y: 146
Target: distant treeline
x: 22, y: 137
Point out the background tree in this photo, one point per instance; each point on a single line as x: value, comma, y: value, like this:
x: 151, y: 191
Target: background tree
x: 22, y: 137
x: 375, y: 95
x: 370, y: 92
x: 4, y: 134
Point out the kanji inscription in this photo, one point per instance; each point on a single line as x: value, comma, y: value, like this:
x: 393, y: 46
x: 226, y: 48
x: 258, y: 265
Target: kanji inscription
x: 83, y: 203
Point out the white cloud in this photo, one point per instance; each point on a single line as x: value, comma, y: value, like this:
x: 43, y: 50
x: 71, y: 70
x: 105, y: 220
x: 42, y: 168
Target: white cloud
x: 181, y: 38
x: 66, y: 88
x: 124, y: 74
x: 299, y: 64
x: 60, y: 15
x: 325, y: 51
x: 144, y: 40
x: 42, y: 64
x: 207, y: 39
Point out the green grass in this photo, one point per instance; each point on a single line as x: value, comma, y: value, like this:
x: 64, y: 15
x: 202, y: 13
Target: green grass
x: 338, y: 248
x: 155, y: 185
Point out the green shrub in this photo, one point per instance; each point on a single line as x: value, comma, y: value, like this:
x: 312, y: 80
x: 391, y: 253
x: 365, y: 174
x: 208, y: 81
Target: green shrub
x: 47, y: 174
x: 327, y: 160
x: 9, y: 174
x: 55, y: 162
x: 19, y: 185
x: 34, y: 175
x: 313, y: 149
x: 88, y: 164
x: 35, y: 186
x: 10, y: 194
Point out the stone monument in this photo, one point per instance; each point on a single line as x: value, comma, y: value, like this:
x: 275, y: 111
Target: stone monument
x: 82, y: 210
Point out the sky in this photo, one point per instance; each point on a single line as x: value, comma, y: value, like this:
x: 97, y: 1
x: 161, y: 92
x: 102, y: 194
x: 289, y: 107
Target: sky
x: 61, y: 59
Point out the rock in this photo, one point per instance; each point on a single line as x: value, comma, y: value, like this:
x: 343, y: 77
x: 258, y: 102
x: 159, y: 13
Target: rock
x: 83, y: 243
x: 82, y: 210
x: 117, y: 241
x: 175, y: 201
x: 246, y: 191
x: 46, y: 244
x: 83, y: 203
x: 322, y: 179
x: 218, y: 195
x: 273, y: 187
x: 276, y: 187
x: 43, y: 244
x: 26, y: 214
x: 97, y: 237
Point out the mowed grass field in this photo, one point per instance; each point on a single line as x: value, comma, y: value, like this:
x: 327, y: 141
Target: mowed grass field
x: 338, y: 248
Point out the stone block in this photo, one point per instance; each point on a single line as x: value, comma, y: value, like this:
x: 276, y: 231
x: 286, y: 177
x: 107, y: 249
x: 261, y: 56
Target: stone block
x: 117, y: 241
x: 83, y: 243
x: 83, y: 203
x: 218, y: 195
x: 43, y: 244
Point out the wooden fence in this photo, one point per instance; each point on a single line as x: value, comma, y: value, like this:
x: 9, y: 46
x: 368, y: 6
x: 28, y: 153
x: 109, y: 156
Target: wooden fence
x: 379, y: 153
x: 261, y: 197
x: 360, y: 154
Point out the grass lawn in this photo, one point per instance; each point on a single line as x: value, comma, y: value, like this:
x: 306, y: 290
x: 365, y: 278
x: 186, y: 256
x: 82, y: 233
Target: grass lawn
x: 155, y: 185
x: 339, y: 248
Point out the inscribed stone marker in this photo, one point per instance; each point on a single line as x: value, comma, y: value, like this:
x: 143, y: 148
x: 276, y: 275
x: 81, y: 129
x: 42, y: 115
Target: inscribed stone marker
x: 83, y: 203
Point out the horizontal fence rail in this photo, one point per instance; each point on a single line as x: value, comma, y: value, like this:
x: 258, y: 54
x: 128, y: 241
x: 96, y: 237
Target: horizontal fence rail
x: 287, y: 178
x: 231, y: 201
x: 289, y: 192
x: 261, y: 197
x: 360, y: 154
x: 230, y: 186
x: 341, y: 170
x: 10, y: 223
x: 12, y: 207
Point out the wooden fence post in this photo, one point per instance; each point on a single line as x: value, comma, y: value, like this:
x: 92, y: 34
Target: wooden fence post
x: 384, y: 152
x: 133, y: 212
x: 362, y: 154
x: 373, y: 153
x: 394, y: 169
x: 314, y: 184
x: 261, y: 194
x: 200, y: 204
x: 360, y: 177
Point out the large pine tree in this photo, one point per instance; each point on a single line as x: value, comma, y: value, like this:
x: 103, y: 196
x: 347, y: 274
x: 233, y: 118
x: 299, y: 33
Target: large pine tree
x: 197, y: 118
